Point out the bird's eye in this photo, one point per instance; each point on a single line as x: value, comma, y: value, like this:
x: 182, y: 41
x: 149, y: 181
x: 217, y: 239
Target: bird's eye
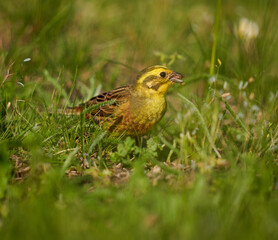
x: 163, y: 74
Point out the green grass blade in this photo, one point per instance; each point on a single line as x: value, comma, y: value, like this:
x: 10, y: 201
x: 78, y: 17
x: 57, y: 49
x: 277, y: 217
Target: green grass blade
x: 215, y: 35
x: 234, y: 115
x: 202, y: 121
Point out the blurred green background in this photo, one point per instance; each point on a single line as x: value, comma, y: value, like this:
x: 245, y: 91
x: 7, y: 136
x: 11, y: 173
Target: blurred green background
x: 59, y: 53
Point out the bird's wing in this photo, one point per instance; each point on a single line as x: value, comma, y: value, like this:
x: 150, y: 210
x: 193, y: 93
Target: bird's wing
x: 120, y: 95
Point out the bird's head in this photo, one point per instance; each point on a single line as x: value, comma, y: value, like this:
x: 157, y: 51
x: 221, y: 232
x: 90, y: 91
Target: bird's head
x: 157, y: 79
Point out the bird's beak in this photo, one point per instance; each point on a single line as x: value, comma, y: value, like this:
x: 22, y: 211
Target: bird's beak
x: 176, y: 77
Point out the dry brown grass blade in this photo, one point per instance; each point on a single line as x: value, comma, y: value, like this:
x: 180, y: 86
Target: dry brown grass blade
x: 8, y: 74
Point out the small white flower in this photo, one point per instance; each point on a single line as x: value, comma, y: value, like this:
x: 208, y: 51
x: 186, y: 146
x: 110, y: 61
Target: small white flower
x: 255, y: 108
x: 245, y: 85
x: 225, y: 85
x: 248, y: 29
x: 271, y: 96
x: 35, y: 126
x: 240, y: 85
x: 240, y: 115
x: 27, y: 60
x: 212, y: 79
x: 194, y: 131
x: 228, y: 97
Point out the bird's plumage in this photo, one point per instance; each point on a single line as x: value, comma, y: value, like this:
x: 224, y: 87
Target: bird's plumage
x: 133, y: 109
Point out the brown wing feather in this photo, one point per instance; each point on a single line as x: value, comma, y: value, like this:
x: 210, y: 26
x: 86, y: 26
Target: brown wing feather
x: 121, y: 95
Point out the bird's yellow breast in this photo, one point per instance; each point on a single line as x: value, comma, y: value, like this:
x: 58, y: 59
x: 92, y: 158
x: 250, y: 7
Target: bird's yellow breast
x: 140, y: 114
x: 148, y: 110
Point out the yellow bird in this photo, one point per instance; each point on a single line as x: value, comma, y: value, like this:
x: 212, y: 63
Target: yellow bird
x: 133, y: 109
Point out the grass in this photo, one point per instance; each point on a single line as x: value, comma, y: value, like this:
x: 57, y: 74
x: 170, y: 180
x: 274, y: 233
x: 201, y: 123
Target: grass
x: 207, y: 171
